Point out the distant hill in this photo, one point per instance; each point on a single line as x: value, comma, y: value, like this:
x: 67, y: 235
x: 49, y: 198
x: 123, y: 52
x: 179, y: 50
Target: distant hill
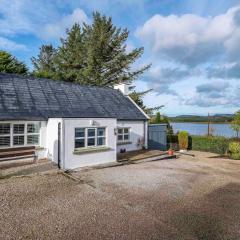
x: 218, y: 118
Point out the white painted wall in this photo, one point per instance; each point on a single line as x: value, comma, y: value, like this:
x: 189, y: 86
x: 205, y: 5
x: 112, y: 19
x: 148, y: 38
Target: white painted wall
x: 52, y: 138
x: 136, y: 133
x: 72, y: 160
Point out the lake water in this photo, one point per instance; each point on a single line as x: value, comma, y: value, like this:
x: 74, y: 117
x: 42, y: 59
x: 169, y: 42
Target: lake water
x: 202, y: 129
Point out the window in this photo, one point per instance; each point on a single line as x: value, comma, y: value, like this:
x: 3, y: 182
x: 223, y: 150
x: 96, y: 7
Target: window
x: 19, y: 134
x: 5, y: 137
x: 101, y: 139
x: 79, y: 137
x: 123, y: 135
x: 33, y: 130
x: 89, y: 137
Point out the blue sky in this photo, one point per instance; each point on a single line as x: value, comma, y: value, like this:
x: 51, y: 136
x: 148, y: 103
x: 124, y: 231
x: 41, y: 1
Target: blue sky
x: 194, y: 46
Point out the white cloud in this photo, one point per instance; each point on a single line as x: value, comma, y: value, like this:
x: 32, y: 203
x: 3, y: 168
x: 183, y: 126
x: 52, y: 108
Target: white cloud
x: 57, y: 29
x: 191, y: 39
x: 161, y: 79
x: 6, y: 44
x: 216, y: 93
x: 226, y: 71
x: 40, y: 18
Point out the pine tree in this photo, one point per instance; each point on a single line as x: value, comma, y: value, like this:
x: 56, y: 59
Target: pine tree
x: 94, y: 55
x: 107, y: 61
x: 137, y: 97
x: 9, y: 64
x: 71, y: 56
x: 44, y: 65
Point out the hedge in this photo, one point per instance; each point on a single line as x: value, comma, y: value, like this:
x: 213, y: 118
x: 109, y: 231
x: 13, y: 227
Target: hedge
x: 212, y: 144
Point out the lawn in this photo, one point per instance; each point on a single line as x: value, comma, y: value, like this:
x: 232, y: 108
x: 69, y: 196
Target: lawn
x: 184, y: 198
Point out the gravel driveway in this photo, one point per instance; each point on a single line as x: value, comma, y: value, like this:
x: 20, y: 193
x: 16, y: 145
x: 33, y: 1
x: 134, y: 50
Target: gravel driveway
x: 185, y: 198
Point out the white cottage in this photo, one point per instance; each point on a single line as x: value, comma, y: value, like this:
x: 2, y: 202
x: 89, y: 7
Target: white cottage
x: 70, y: 124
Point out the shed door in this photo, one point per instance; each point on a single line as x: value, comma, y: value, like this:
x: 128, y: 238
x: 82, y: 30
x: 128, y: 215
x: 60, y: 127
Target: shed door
x: 157, y: 137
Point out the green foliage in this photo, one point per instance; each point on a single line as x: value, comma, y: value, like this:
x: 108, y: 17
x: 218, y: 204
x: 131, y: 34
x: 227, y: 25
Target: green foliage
x: 137, y: 97
x: 236, y: 123
x: 44, y: 65
x: 9, y: 64
x: 158, y: 118
x: 234, y: 149
x: 94, y: 55
x: 183, y: 139
x: 210, y: 144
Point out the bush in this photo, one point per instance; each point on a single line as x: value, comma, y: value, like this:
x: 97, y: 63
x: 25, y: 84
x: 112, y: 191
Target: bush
x: 210, y: 144
x: 183, y: 140
x: 234, y: 149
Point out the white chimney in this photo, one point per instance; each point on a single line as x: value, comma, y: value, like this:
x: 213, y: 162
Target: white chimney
x: 123, y: 87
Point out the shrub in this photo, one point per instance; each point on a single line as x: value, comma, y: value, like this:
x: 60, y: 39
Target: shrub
x: 210, y: 144
x: 183, y: 139
x: 234, y: 149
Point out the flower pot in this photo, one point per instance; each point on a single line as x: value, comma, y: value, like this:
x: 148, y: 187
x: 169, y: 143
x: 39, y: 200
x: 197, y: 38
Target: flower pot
x: 170, y: 152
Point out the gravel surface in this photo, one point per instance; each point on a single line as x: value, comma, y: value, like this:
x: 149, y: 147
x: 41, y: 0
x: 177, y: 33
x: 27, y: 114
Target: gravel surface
x: 185, y: 198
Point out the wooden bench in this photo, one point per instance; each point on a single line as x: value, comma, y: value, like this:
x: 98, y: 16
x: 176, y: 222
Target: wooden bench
x: 8, y: 154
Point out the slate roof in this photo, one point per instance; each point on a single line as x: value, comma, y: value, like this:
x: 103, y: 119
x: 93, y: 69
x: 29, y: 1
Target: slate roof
x: 28, y: 98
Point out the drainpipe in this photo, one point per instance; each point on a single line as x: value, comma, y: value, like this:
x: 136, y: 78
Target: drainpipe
x: 63, y: 143
x: 145, y: 133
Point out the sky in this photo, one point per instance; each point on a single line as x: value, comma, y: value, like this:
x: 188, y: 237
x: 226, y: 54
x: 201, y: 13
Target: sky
x: 193, y: 45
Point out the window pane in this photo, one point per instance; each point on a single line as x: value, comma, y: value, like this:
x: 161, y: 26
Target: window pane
x: 101, y: 131
x: 18, y: 140
x: 120, y: 130
x: 79, y: 143
x: 33, y: 139
x: 4, y: 128
x: 91, y: 132
x: 4, y: 141
x: 33, y: 128
x: 126, y: 137
x: 91, y: 141
x: 79, y: 132
x: 120, y: 137
x: 101, y: 141
x: 18, y: 128
x: 125, y: 130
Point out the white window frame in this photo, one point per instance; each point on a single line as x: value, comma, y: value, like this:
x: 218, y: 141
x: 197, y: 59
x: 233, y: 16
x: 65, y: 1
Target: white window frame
x: 32, y: 134
x: 25, y: 134
x: 6, y: 135
x: 18, y: 134
x: 123, y: 134
x: 86, y: 137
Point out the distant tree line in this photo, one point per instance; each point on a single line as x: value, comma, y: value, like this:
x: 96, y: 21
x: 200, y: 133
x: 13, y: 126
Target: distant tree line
x: 203, y: 119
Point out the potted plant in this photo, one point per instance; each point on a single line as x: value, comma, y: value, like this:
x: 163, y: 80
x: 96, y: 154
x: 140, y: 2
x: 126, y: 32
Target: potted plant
x: 183, y: 141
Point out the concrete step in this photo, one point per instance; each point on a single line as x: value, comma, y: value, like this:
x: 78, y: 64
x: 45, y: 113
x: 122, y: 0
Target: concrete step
x: 31, y: 157
x: 41, y: 167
